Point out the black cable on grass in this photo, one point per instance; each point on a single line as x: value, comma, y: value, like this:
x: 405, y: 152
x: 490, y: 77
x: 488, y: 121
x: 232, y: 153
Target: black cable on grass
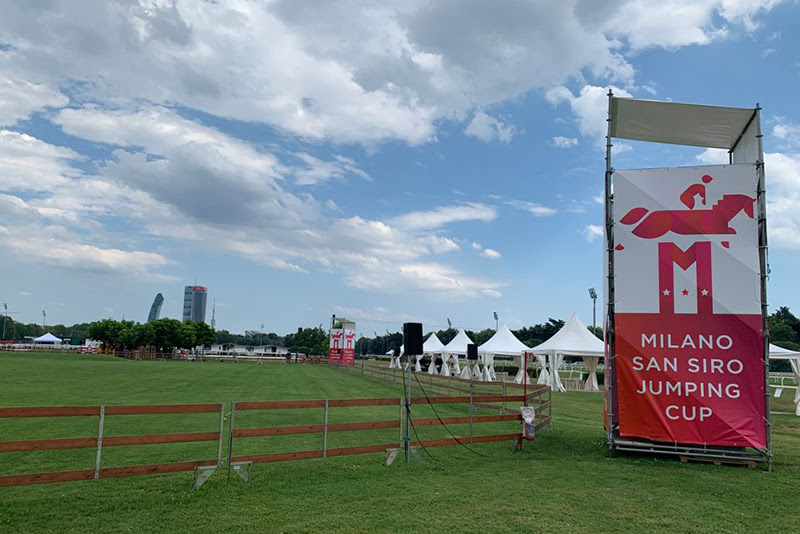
x: 442, y: 422
x: 411, y: 421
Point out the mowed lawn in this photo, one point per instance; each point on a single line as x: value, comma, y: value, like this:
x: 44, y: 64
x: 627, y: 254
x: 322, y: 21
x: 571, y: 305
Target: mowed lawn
x: 562, y: 483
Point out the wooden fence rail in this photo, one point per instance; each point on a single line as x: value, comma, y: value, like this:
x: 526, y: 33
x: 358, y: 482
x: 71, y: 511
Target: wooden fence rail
x: 99, y: 442
x: 542, y: 410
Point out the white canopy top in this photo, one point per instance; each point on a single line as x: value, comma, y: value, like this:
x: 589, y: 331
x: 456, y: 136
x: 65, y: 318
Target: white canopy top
x: 779, y: 353
x: 679, y: 124
x: 503, y: 343
x: 459, y: 344
x: 47, y: 338
x: 574, y: 339
x: 432, y: 344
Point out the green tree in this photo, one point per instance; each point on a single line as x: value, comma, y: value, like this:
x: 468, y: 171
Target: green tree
x: 596, y: 330
x: 187, y: 336
x: 309, y: 340
x: 107, y: 331
x: 481, y: 337
x: 166, y: 332
x: 204, y: 334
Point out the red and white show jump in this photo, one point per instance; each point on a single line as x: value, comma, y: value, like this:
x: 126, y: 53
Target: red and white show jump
x: 689, y: 337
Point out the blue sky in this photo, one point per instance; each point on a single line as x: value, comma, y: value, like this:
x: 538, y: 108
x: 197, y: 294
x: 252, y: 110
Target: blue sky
x: 378, y: 160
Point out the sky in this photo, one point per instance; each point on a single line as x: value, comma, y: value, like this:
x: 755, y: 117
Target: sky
x: 384, y: 161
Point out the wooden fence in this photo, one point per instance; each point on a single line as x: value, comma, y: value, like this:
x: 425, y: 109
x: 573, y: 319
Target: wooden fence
x: 539, y: 395
x: 99, y: 442
x: 325, y: 428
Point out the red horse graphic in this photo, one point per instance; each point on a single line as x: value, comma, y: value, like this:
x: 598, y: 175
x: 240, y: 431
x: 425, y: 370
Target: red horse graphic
x: 690, y: 222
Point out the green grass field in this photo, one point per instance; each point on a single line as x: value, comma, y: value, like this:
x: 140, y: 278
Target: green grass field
x: 562, y: 483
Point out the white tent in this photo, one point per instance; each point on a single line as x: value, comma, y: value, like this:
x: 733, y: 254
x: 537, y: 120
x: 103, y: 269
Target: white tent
x: 457, y: 347
x: 779, y: 353
x: 503, y: 343
x: 432, y: 345
x: 47, y: 338
x: 395, y: 361
x: 574, y: 339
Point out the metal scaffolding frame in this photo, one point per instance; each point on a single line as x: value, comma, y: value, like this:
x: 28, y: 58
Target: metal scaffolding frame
x: 742, y: 126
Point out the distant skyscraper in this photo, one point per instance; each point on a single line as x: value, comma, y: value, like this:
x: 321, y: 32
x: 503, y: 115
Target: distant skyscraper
x: 155, y: 309
x: 194, y: 303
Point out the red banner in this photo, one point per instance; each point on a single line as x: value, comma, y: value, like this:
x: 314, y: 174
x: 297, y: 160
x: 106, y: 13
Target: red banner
x: 335, y: 346
x: 689, y: 364
x: 349, y: 350
x: 687, y: 381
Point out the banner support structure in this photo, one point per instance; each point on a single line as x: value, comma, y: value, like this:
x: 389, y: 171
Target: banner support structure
x: 764, y: 266
x: 738, y: 130
x: 609, y: 293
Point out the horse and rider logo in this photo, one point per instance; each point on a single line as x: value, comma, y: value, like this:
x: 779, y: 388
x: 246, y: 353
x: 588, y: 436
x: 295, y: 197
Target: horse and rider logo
x: 713, y: 221
x: 695, y: 220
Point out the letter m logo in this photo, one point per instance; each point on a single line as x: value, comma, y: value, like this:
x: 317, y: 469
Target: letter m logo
x: 699, y: 255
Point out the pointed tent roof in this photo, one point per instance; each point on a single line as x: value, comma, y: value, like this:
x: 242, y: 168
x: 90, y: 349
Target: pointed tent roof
x: 47, y: 338
x: 503, y: 343
x: 779, y: 353
x: 574, y: 339
x: 432, y: 344
x: 459, y: 344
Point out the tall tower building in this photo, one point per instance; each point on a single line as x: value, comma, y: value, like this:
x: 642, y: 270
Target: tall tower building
x: 194, y: 303
x: 155, y: 309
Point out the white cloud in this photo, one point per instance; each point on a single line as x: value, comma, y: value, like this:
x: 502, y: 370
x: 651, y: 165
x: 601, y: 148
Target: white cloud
x: 438, y: 217
x: 713, y: 156
x: 161, y: 131
x: 490, y: 253
x: 359, y: 72
x: 30, y: 164
x: 49, y: 245
x: 317, y: 171
x: 439, y: 245
x: 590, y: 108
x: 20, y: 98
x: 491, y: 293
x: 787, y: 134
x: 591, y: 232
x: 783, y: 198
x: 533, y: 208
x: 25, y: 293
x: 676, y: 23
x: 487, y: 128
x: 476, y: 246
x: 564, y: 142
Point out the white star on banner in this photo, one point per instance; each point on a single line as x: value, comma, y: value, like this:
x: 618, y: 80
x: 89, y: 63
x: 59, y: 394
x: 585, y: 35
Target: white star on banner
x: 666, y: 292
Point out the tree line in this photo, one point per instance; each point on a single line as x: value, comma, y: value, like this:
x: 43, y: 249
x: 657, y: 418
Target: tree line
x: 167, y: 334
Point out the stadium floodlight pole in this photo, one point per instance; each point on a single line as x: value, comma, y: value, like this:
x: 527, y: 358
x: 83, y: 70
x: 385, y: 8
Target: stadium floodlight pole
x: 44, y: 319
x: 496, y: 323
x: 5, y: 315
x: 262, y: 334
x: 593, y: 296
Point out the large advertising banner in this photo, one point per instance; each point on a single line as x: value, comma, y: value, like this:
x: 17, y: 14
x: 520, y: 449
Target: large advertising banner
x: 335, y: 346
x: 689, y: 337
x: 349, y: 352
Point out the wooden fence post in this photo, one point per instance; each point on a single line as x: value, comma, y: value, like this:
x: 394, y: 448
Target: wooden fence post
x: 99, y: 454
